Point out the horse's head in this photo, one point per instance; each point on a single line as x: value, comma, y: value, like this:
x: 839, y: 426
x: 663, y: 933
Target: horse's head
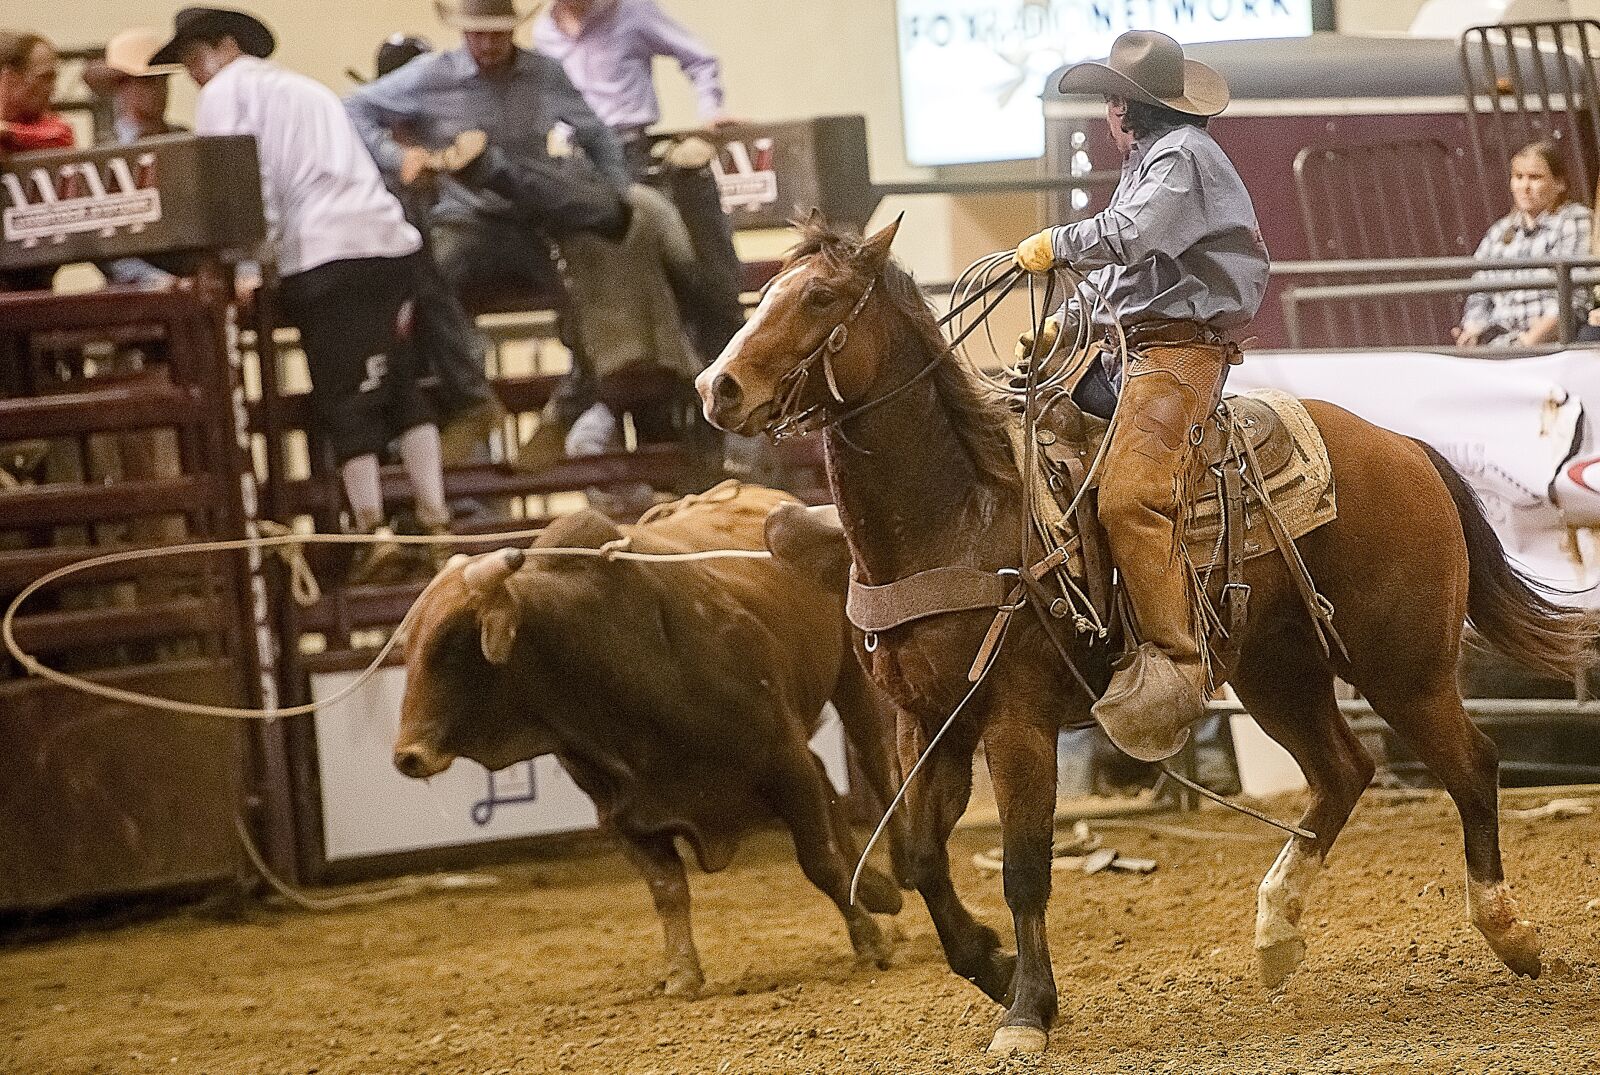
x: 811, y: 340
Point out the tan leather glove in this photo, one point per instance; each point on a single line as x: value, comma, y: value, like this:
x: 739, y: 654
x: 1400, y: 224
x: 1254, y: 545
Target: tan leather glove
x: 1024, y: 351
x: 1037, y: 253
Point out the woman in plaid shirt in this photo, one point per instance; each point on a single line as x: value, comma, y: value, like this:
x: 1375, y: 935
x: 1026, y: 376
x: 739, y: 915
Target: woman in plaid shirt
x: 1545, y: 224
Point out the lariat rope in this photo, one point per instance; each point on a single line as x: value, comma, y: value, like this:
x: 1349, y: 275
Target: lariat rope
x: 614, y: 550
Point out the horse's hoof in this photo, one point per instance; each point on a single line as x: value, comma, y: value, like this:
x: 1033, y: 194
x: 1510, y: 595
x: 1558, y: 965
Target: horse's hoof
x: 1494, y: 911
x: 1276, y: 962
x: 873, y: 947
x: 1018, y: 1041
x: 1518, y: 948
x: 684, y: 983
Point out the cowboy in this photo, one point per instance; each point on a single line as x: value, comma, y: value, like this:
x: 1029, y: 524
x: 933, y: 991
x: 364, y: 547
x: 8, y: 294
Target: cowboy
x: 532, y: 116
x: 1179, y: 256
x: 137, y: 92
x: 345, y: 255
x: 444, y: 334
x: 606, y: 47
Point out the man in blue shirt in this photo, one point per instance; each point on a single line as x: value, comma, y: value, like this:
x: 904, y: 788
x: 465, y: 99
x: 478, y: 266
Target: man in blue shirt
x: 531, y: 114
x: 1179, y: 257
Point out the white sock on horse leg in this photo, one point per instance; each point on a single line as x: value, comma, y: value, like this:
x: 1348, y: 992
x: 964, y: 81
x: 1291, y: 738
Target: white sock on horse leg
x: 419, y: 451
x: 362, y: 490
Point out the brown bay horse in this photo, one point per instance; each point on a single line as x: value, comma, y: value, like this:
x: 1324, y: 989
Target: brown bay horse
x: 927, y: 479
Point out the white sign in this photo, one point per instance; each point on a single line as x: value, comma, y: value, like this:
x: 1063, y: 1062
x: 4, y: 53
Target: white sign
x: 1521, y: 431
x: 104, y: 202
x: 368, y: 808
x: 745, y: 180
x: 972, y: 71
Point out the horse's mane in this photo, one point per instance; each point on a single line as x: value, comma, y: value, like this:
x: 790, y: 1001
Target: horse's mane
x: 977, y: 414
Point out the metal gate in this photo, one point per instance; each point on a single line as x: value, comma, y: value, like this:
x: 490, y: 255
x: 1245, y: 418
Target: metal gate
x: 116, y: 418
x: 1529, y: 81
x: 1411, y: 198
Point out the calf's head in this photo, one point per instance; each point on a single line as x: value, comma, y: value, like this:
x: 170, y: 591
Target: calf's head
x: 458, y: 698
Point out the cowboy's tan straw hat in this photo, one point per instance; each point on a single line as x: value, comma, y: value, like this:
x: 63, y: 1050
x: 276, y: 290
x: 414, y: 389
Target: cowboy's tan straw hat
x: 1148, y: 66
x: 483, y: 15
x: 128, y: 56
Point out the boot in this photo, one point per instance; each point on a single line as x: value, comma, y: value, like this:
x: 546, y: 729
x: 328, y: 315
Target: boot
x: 1159, y: 689
x: 381, y: 563
x: 465, y: 433
x: 1149, y: 705
x: 435, y: 554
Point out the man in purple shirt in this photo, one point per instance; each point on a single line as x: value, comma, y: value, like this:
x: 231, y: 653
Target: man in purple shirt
x: 607, y: 48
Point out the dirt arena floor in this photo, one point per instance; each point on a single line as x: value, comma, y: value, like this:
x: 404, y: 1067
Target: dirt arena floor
x: 552, y: 970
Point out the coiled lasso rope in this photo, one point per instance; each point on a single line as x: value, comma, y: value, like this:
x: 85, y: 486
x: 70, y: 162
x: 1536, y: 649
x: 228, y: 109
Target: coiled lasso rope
x: 614, y: 550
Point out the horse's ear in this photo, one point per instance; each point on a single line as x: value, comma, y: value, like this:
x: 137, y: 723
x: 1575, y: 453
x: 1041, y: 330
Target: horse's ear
x: 815, y: 221
x: 875, y: 251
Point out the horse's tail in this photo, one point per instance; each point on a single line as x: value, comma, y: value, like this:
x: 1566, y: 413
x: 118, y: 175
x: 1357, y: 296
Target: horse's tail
x: 1506, y: 607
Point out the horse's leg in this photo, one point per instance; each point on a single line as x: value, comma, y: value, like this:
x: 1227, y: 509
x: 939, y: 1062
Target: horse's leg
x: 869, y: 727
x: 658, y: 860
x: 934, y: 802
x: 805, y: 801
x: 877, y: 892
x: 1429, y: 716
x: 1290, y: 694
x: 1022, y: 763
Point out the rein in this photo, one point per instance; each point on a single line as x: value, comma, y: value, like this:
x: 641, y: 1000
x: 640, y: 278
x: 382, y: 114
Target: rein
x: 792, y: 418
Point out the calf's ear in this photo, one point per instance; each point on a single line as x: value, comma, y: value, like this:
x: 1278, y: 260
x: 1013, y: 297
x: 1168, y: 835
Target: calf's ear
x: 497, y: 625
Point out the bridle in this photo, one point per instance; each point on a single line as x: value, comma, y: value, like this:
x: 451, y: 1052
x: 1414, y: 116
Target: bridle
x: 791, y: 417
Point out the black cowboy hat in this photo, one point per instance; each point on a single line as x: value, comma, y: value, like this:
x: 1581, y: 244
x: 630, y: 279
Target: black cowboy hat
x: 249, y: 32
x: 399, y: 50
x: 1148, y: 66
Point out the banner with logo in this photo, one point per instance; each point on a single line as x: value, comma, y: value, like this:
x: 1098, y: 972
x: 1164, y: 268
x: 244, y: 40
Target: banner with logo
x: 1517, y: 430
x: 368, y: 808
x: 167, y: 194
x: 972, y: 71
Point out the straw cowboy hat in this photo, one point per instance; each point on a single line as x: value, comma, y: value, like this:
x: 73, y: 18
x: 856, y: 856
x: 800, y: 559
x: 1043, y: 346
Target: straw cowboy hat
x: 1148, y: 66
x: 483, y: 15
x: 247, y: 31
x: 127, y: 56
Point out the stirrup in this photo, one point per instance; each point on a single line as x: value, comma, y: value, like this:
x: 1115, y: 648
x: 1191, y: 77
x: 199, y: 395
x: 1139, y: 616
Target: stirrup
x: 1148, y: 707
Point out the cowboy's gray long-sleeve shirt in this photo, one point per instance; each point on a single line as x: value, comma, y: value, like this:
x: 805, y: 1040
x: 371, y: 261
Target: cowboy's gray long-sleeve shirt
x: 437, y: 96
x: 1179, y: 239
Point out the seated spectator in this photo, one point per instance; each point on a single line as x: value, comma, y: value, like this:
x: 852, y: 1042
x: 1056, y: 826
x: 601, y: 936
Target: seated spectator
x: 28, y: 70
x: 552, y: 172
x: 345, y: 255
x: 1545, y: 223
x: 137, y: 93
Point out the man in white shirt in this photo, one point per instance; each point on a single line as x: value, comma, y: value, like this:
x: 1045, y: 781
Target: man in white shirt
x: 344, y: 253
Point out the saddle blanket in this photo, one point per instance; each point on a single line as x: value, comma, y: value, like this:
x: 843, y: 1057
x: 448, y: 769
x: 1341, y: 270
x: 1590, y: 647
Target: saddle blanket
x: 1301, y: 492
